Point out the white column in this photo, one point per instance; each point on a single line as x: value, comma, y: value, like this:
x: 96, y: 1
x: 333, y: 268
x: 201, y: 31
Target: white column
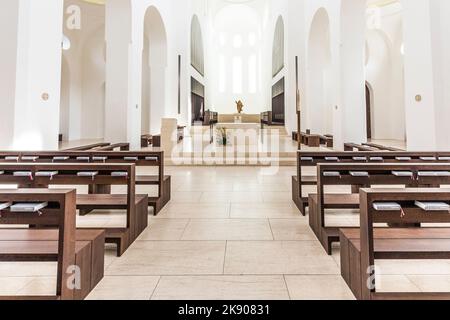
x: 122, y: 110
x: 352, y: 110
x: 420, y: 115
x: 35, y: 29
x: 9, y: 22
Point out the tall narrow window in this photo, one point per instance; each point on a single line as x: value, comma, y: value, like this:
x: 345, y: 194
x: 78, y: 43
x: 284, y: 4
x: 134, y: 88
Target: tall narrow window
x: 252, y: 76
x: 278, y: 48
x: 237, y: 75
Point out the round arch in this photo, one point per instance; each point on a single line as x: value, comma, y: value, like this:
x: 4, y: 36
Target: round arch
x: 319, y: 113
x: 154, y: 65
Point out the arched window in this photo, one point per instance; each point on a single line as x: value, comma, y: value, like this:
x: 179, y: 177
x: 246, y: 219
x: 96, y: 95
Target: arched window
x: 197, y: 54
x: 278, y: 47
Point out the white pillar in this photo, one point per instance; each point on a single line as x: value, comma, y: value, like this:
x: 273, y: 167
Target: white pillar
x: 420, y: 115
x: 352, y: 109
x: 33, y: 60
x: 122, y: 110
x: 9, y: 23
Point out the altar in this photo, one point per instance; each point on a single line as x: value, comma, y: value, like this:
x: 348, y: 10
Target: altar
x: 237, y: 126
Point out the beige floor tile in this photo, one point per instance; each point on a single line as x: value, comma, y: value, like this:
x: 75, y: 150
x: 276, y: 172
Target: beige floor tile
x: 194, y: 211
x: 221, y: 288
x: 28, y: 269
x: 318, y: 288
x: 125, y: 288
x: 10, y: 286
x: 39, y: 286
x: 164, y: 229
x: 278, y: 257
x: 431, y: 283
x: 251, y: 211
x: 277, y: 197
x: 228, y: 229
x: 415, y: 267
x: 186, y: 197
x: 291, y: 229
x: 231, y: 197
x: 395, y: 283
x: 170, y: 258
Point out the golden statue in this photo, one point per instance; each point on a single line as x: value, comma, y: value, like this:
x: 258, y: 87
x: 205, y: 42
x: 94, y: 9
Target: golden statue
x: 240, y: 106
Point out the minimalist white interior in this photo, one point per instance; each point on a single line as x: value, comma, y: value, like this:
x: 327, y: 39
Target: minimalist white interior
x: 93, y: 71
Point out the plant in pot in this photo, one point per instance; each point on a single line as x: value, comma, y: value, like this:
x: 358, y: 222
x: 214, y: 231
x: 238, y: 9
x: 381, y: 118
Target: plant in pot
x: 222, y: 138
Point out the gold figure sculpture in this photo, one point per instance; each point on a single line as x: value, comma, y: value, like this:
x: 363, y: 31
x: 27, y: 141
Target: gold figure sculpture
x: 240, y: 106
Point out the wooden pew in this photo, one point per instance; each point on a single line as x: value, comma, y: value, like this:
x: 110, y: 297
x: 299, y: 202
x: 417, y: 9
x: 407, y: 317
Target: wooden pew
x: 68, y: 174
x: 381, y: 147
x: 314, y: 140
x: 113, y: 147
x: 139, y: 158
x: 353, y: 146
x: 360, y: 247
x: 89, y: 146
x: 313, y: 158
x: 377, y: 174
x: 66, y: 245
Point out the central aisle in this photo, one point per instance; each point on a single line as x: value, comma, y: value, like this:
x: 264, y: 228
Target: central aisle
x: 228, y: 233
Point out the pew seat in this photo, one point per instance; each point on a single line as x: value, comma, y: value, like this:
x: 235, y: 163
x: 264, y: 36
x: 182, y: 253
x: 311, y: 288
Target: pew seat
x: 122, y: 237
x: 391, y: 244
x: 30, y: 245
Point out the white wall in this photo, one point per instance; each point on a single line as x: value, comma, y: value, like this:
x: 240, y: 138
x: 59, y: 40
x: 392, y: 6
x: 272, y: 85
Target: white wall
x: 35, y: 37
x: 384, y: 73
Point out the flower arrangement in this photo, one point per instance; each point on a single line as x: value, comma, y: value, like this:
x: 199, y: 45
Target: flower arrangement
x: 222, y: 136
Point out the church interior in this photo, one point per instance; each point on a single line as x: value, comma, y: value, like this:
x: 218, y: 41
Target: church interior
x: 225, y: 150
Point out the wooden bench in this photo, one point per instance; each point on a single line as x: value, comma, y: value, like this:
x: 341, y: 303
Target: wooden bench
x: 89, y: 146
x: 139, y: 158
x: 313, y: 158
x: 358, y: 147
x: 314, y: 140
x: 66, y: 245
x: 113, y: 147
x: 377, y: 174
x: 382, y: 148
x: 360, y: 247
x: 67, y: 174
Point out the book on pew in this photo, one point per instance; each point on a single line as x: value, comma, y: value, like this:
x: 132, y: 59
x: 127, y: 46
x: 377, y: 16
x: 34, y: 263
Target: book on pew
x: 28, y: 207
x: 428, y: 158
x: 131, y: 158
x: 151, y: 158
x: 387, y: 206
x: 60, y: 158
x: 433, y: 206
x: 376, y: 159
x: 83, y: 159
x: 444, y: 158
x: 331, y: 174
x: 46, y: 174
x: 403, y: 158
x: 359, y: 174
x: 331, y: 159
x: 119, y: 174
x: 434, y: 174
x: 99, y: 158
x: 2, y: 172
x: 402, y: 173
x: 89, y: 174
x: 23, y: 174
x: 30, y: 158
x: 310, y: 159
x: 12, y: 158
x: 5, y: 205
x: 359, y: 159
